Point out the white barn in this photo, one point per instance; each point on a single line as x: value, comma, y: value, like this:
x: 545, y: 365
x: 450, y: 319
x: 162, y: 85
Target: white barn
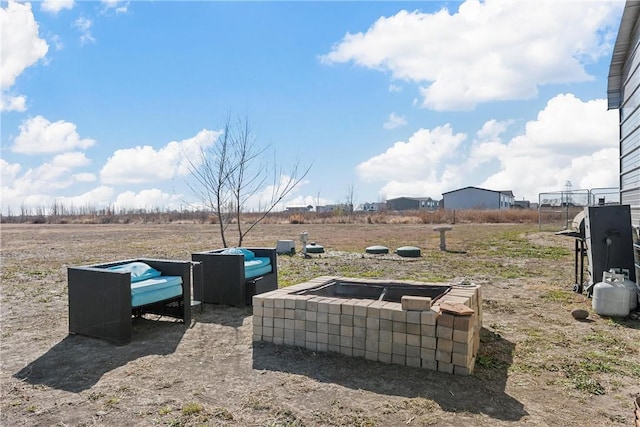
x: 623, y: 93
x: 477, y: 198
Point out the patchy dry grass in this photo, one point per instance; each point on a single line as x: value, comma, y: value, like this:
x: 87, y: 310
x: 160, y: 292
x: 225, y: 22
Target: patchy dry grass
x: 536, y: 364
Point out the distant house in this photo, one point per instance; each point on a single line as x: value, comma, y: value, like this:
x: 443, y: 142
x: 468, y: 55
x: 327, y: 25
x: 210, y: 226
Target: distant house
x: 298, y: 209
x: 343, y: 207
x: 477, y: 198
x: 373, y: 207
x: 412, y: 203
x: 522, y: 204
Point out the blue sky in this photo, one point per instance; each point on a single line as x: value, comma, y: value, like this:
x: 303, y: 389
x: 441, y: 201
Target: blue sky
x: 103, y: 103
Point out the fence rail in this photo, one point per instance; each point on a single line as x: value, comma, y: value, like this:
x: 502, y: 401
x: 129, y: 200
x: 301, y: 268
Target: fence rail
x: 556, y: 210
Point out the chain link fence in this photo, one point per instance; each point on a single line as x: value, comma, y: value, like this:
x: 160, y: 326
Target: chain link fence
x: 556, y: 210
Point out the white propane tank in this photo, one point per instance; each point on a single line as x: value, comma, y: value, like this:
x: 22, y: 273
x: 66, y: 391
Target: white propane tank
x: 610, y: 297
x: 629, y: 285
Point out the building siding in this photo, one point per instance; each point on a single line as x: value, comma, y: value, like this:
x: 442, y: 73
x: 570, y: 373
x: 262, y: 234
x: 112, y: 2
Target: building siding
x: 626, y: 99
x: 476, y: 198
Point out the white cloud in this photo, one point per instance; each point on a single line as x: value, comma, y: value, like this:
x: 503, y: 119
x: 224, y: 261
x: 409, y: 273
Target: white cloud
x: 417, y: 159
x: 494, y: 50
x: 395, y: 88
x: 145, y: 164
x: 71, y: 160
x: 147, y: 199
x: 12, y: 103
x: 84, y: 27
x: 55, y: 6
x: 21, y: 47
x: 84, y: 177
x: 39, y: 135
x: 118, y: 6
x: 99, y: 197
x: 9, y: 171
x: 571, y: 140
x: 394, y: 121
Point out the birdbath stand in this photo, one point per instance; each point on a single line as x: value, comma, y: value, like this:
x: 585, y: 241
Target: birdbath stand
x: 442, y: 229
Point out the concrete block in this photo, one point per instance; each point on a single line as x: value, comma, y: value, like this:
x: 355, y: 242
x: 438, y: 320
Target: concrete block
x: 398, y: 348
x: 371, y: 355
x: 359, y: 321
x: 289, y: 313
x: 464, y: 323
x: 257, y: 320
x: 462, y: 336
x: 384, y: 358
x: 445, y: 367
x: 278, y: 323
x: 323, y: 328
x: 311, y: 336
x: 428, y: 317
x: 413, y: 340
x: 443, y: 356
x: 359, y: 343
x: 373, y: 323
x: 257, y: 338
x: 385, y: 347
x: 398, y: 359
x: 311, y: 315
x: 399, y: 316
x: 258, y: 311
x: 322, y: 347
x: 322, y: 338
x: 278, y: 333
x: 359, y: 332
x: 373, y: 335
x: 334, y: 319
x: 413, y: 351
x: 446, y: 320
x: 428, y: 342
x: 445, y: 345
x: 386, y: 325
x: 386, y: 336
x: 399, y: 326
x: 347, y: 308
x: 399, y: 337
x: 429, y: 364
x: 346, y: 320
x: 428, y: 354
x: 413, y: 303
x: 267, y: 321
x: 443, y: 332
x: 346, y: 331
x: 413, y: 362
x: 267, y: 302
x: 428, y: 330
x: 414, y: 328
x: 346, y: 342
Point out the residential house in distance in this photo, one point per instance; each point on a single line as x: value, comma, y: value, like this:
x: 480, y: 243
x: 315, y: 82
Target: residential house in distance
x: 343, y: 207
x: 298, y: 209
x: 623, y: 93
x: 373, y: 207
x: 412, y: 203
x: 477, y: 198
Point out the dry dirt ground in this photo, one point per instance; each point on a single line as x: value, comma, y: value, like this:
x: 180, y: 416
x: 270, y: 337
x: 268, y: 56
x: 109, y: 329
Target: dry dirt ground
x: 537, y: 366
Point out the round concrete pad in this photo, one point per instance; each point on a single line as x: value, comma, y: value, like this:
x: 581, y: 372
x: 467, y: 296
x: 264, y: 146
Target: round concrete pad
x: 315, y: 249
x: 408, y: 251
x: 377, y: 249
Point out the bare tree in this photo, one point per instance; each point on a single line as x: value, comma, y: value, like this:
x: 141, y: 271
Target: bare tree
x: 233, y: 172
x: 350, y: 199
